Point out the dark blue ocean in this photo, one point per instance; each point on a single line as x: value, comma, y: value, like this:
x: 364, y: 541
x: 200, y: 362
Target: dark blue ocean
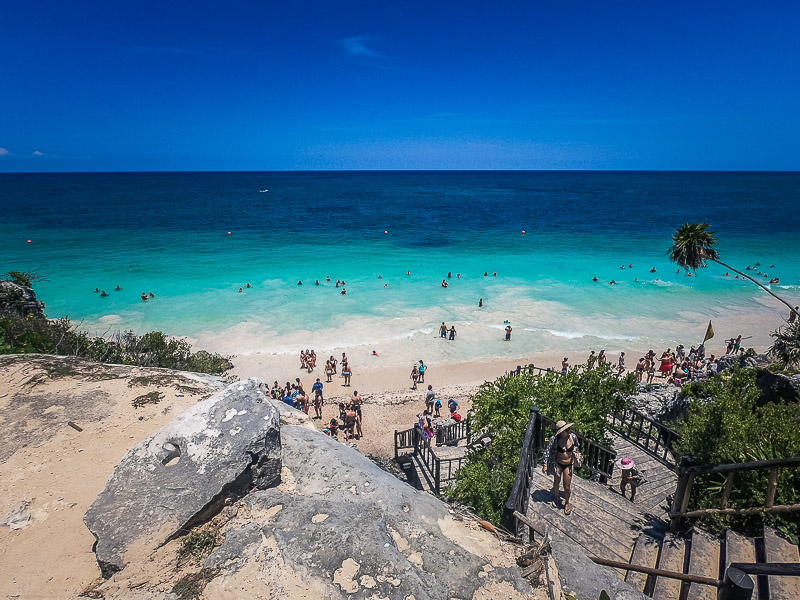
x: 168, y: 233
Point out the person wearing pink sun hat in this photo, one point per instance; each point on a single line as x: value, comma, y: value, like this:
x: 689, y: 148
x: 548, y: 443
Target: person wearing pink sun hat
x: 630, y: 476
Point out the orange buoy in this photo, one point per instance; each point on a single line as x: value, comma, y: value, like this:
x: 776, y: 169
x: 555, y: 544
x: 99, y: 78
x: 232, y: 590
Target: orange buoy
x: 385, y: 233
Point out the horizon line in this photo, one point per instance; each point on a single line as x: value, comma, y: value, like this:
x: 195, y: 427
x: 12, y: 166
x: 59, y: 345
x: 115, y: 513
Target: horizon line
x: 114, y: 172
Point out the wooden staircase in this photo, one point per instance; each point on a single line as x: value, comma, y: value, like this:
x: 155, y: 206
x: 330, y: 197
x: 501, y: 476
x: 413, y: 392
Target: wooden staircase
x: 707, y: 556
x: 606, y: 525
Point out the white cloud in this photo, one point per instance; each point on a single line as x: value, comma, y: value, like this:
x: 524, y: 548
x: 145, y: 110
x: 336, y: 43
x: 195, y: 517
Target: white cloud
x: 3, y: 152
x: 37, y: 153
x: 357, y: 45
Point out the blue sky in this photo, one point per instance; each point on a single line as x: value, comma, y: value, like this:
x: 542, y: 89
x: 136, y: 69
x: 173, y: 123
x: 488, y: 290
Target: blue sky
x: 614, y: 84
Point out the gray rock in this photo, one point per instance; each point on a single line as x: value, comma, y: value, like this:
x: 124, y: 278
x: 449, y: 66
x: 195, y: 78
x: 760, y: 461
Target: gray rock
x: 654, y: 400
x: 584, y: 579
x: 220, y: 447
x: 729, y: 361
x: 338, y: 526
x: 19, y: 300
x: 18, y: 517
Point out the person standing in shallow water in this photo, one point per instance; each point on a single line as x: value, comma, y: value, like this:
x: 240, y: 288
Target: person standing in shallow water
x: 443, y: 330
x: 508, y: 333
x: 422, y: 369
x: 561, y: 457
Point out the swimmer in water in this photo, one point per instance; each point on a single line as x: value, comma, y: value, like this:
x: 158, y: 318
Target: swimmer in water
x: 299, y: 282
x: 449, y: 274
x: 240, y: 290
x: 144, y: 296
x: 343, y: 292
x: 495, y: 274
x: 622, y: 267
x: 97, y: 290
x: 316, y: 282
x: 117, y: 289
x: 480, y: 303
x: 612, y: 282
x: 247, y: 285
x: 408, y: 272
x: 630, y: 266
x: 485, y: 274
x: 444, y: 283
x: 458, y: 275
x: 595, y: 279
x: 379, y: 276
x: 386, y: 285
x: 152, y: 295
x: 328, y: 278
x: 103, y: 294
x: 653, y: 270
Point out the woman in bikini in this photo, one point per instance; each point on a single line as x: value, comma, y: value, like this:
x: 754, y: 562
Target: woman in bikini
x: 560, y: 457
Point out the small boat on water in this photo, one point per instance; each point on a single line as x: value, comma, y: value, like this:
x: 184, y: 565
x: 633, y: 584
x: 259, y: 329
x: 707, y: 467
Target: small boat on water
x: 263, y: 191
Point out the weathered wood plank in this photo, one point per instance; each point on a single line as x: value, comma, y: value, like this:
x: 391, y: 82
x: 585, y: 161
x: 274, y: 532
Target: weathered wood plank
x: 740, y: 549
x: 704, y: 561
x: 645, y: 554
x: 672, y: 554
x: 778, y: 549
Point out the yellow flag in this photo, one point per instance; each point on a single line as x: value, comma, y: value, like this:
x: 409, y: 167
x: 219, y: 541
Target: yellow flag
x: 709, y: 333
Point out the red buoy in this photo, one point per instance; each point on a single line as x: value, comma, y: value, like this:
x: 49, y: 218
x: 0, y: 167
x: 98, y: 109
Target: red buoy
x: 385, y: 233
x: 523, y: 232
x: 229, y: 233
x: 30, y: 242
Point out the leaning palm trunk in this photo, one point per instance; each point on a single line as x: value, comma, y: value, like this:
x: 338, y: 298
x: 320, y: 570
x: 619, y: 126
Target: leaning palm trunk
x: 758, y: 283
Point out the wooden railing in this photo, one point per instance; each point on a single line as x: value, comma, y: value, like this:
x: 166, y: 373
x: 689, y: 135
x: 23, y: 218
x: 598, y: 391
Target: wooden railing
x: 453, y: 433
x: 404, y: 440
x: 689, y: 470
x: 531, y: 369
x: 656, y: 438
x: 517, y: 503
x: 598, y: 459
x: 440, y: 470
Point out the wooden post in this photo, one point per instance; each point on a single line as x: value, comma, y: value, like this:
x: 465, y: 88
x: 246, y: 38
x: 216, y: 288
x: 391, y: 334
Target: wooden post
x: 737, y: 585
x: 680, y: 493
x: 772, y: 487
x: 726, y: 492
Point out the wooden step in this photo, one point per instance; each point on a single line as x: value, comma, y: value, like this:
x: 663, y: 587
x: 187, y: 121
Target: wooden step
x: 584, y: 491
x: 703, y: 560
x: 645, y: 554
x: 739, y: 548
x: 671, y: 559
x: 778, y: 550
x: 583, y: 528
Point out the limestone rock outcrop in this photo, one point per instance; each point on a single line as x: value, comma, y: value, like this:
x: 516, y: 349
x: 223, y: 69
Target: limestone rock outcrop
x: 339, y: 527
x: 219, y: 448
x: 19, y: 300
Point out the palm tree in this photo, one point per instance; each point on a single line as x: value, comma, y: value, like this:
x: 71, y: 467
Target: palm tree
x: 693, y: 245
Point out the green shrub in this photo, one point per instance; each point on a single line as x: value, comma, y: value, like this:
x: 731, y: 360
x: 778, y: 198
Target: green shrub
x: 729, y: 423
x: 583, y: 396
x: 198, y: 544
x: 26, y: 334
x: 190, y: 587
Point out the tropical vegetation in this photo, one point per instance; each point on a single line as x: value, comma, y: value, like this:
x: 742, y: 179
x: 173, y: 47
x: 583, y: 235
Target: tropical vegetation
x: 583, y: 396
x: 734, y: 419
x: 29, y: 333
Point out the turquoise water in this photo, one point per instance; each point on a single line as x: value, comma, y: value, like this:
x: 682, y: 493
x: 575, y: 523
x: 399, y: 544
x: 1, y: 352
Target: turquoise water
x: 168, y: 233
